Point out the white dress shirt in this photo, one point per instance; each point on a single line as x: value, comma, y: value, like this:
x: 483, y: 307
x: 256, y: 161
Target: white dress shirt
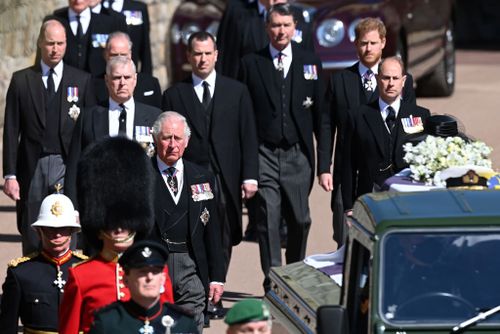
x: 57, y: 76
x: 383, y: 109
x: 286, y: 58
x: 198, y: 84
x: 114, y: 116
x: 84, y: 20
x: 179, y: 174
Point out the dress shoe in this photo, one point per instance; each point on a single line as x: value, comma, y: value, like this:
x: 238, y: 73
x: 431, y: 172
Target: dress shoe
x: 215, y: 311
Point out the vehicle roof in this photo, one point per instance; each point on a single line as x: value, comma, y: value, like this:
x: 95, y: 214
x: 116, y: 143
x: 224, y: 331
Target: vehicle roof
x: 377, y: 211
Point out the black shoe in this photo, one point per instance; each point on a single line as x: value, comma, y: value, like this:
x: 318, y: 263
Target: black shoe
x: 206, y: 322
x: 215, y: 311
x: 250, y: 235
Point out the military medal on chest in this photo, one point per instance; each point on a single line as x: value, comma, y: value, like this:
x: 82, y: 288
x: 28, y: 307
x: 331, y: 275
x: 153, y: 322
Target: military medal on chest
x: 147, y: 328
x: 168, y: 322
x: 59, y: 281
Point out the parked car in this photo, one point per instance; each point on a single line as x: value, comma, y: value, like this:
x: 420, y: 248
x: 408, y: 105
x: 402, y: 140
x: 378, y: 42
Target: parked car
x: 420, y: 31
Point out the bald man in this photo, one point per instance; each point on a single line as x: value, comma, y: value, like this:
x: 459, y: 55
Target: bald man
x: 43, y: 103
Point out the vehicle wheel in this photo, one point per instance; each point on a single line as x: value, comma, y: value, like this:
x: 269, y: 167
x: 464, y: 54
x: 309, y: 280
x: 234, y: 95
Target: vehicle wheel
x: 441, y: 82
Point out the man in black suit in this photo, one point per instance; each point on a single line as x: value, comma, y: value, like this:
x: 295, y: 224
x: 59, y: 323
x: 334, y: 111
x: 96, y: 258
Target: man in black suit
x: 376, y: 133
x: 286, y: 89
x: 43, y: 104
x: 120, y: 116
x: 243, y: 31
x: 87, y: 33
x: 137, y: 19
x: 146, y: 91
x: 347, y: 90
x: 186, y: 218
x: 224, y: 138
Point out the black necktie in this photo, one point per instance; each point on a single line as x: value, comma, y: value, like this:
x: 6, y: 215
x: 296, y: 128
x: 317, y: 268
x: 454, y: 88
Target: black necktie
x: 281, y: 67
x: 206, y: 95
x: 391, y: 118
x: 51, y: 88
x: 79, y: 28
x: 122, y: 121
x: 172, y: 180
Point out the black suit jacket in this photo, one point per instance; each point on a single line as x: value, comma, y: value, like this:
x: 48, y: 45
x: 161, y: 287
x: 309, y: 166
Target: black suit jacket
x: 92, y: 127
x: 246, y: 33
x: 257, y: 72
x: 365, y: 154
x: 99, y: 24
x: 138, y: 31
x: 343, y: 94
x: 205, y: 245
x: 25, y: 122
x: 146, y: 91
x: 233, y: 135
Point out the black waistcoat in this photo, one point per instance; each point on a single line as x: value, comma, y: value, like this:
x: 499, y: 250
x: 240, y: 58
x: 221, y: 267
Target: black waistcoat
x: 77, y: 54
x: 51, y: 142
x: 282, y: 128
x: 175, y: 226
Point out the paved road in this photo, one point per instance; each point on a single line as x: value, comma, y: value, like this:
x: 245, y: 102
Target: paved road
x: 474, y: 104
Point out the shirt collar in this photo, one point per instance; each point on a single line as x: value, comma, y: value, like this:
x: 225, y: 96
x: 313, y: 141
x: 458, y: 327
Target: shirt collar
x: 58, y: 69
x: 362, y: 69
x: 179, y: 165
x: 261, y: 7
x: 84, y: 15
x: 287, y: 51
x: 210, y: 79
x: 395, y: 105
x: 97, y: 8
x: 113, y: 105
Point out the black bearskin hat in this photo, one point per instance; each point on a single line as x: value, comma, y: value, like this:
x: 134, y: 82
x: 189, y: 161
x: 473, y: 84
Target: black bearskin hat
x: 115, y: 189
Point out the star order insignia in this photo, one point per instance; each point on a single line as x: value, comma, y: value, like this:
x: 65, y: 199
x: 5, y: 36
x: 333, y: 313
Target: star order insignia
x: 74, y: 112
x: 308, y: 102
x: 205, y: 216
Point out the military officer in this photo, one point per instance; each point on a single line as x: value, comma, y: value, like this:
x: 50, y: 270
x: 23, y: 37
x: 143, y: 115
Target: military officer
x: 144, y: 264
x: 35, y: 284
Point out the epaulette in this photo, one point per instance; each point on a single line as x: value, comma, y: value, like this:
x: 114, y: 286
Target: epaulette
x: 14, y: 262
x: 88, y: 258
x: 80, y: 255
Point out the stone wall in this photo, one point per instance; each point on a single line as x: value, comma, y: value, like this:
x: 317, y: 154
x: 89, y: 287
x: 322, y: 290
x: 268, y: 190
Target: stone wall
x: 20, y: 22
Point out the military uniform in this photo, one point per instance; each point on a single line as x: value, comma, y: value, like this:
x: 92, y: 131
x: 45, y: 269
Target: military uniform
x: 33, y: 290
x: 92, y: 285
x: 129, y: 317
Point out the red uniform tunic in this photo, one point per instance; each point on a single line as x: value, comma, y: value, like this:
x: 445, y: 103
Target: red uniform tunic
x: 91, y: 285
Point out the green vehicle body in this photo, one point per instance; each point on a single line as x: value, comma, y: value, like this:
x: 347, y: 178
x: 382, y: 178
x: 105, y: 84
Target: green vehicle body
x: 421, y: 262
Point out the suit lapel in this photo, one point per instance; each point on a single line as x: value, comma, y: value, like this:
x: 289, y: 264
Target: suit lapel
x: 219, y: 102
x: 188, y: 96
x: 191, y: 177
x: 37, y: 90
x: 100, y: 122
x: 267, y: 70
x: 65, y: 105
x: 374, y: 122
x: 163, y: 208
x: 404, y: 111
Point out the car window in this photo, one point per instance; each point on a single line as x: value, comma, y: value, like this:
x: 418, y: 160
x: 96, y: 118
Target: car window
x: 439, y: 277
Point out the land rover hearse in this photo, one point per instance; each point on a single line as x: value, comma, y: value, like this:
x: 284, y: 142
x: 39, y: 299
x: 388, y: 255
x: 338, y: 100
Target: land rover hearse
x: 420, y: 262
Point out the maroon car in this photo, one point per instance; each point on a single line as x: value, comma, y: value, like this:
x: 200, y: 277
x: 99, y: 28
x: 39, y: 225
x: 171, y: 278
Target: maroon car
x: 420, y: 31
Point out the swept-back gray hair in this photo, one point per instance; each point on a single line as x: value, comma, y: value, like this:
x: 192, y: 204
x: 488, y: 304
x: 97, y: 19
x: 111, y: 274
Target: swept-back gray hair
x: 164, y: 116
x: 122, y: 60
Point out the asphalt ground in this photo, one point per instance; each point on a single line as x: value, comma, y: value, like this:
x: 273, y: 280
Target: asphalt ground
x: 474, y: 103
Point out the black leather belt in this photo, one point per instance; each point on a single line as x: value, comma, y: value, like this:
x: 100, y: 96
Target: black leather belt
x: 176, y: 246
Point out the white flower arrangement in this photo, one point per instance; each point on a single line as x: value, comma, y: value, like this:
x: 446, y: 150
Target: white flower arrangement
x: 428, y: 158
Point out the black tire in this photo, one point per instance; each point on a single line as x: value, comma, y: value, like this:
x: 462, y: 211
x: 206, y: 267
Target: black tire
x: 441, y: 82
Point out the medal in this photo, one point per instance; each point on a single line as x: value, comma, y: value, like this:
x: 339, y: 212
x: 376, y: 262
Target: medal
x: 59, y: 282
x: 72, y: 94
x: 147, y: 328
x: 168, y: 322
